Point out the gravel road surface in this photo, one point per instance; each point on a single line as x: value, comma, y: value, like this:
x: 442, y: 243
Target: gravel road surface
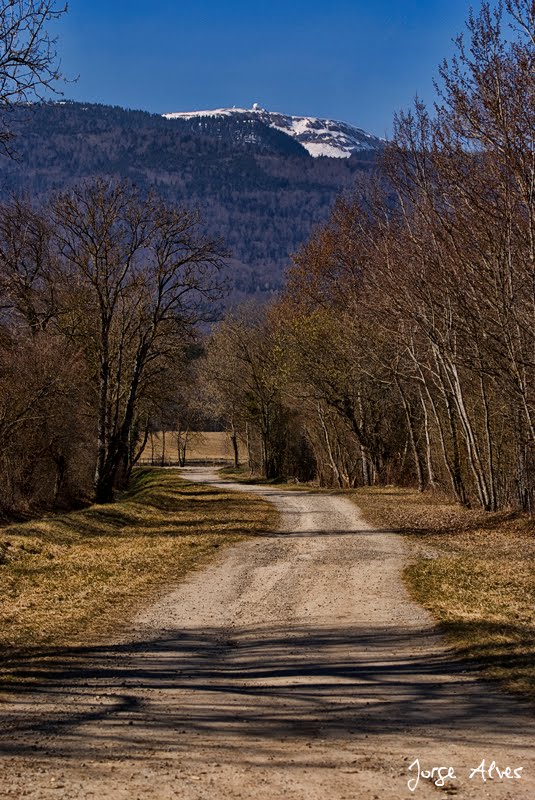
x: 294, y: 667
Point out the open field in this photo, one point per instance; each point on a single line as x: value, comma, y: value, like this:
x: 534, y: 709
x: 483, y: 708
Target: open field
x: 65, y: 577
x: 474, y: 571
x: 202, y: 446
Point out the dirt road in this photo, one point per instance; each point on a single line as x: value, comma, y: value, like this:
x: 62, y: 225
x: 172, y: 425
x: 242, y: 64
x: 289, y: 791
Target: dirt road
x: 294, y: 667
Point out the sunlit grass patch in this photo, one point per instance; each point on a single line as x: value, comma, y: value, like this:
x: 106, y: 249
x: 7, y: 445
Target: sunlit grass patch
x: 474, y: 571
x: 243, y: 475
x: 63, y: 578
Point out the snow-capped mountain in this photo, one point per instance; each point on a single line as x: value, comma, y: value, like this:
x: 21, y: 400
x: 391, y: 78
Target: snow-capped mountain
x: 256, y: 186
x: 320, y: 137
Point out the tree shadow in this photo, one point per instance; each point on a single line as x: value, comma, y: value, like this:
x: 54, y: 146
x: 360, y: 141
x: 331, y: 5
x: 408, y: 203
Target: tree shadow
x: 132, y: 519
x: 249, y: 685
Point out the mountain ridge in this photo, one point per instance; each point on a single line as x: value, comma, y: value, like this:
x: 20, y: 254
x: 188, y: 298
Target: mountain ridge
x: 320, y: 137
x: 257, y: 188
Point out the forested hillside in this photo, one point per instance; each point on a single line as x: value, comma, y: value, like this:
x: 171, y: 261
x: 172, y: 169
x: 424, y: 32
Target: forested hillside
x: 257, y: 188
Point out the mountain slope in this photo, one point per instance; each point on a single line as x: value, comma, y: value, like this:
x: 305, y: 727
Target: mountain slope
x: 320, y: 137
x: 259, y: 191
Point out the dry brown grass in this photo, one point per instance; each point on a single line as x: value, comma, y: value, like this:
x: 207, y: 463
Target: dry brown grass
x: 475, y: 572
x: 243, y: 475
x: 66, y: 578
x: 203, y: 446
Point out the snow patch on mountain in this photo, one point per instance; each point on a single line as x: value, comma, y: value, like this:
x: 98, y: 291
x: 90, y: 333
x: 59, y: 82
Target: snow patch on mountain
x: 321, y: 137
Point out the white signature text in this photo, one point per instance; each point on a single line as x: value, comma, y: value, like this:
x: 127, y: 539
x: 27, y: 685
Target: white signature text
x: 439, y: 774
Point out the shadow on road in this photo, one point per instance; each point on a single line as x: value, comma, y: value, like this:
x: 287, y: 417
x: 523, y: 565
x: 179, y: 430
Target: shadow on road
x: 261, y: 683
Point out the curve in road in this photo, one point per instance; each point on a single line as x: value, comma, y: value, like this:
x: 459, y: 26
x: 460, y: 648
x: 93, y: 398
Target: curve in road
x: 294, y: 666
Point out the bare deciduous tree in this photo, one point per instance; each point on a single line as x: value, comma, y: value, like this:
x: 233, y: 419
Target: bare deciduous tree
x: 139, y: 274
x: 29, y: 65
x: 408, y: 322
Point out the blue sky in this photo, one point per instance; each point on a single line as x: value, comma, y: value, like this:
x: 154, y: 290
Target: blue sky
x: 345, y: 59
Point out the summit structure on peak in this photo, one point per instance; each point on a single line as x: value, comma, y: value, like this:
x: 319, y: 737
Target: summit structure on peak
x: 320, y: 137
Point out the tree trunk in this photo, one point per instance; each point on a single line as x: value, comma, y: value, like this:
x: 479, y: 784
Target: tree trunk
x: 428, y: 454
x: 332, y: 461
x: 61, y: 467
x: 163, y: 447
x: 235, y: 449
x: 412, y: 438
x: 102, y: 424
x: 453, y: 466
